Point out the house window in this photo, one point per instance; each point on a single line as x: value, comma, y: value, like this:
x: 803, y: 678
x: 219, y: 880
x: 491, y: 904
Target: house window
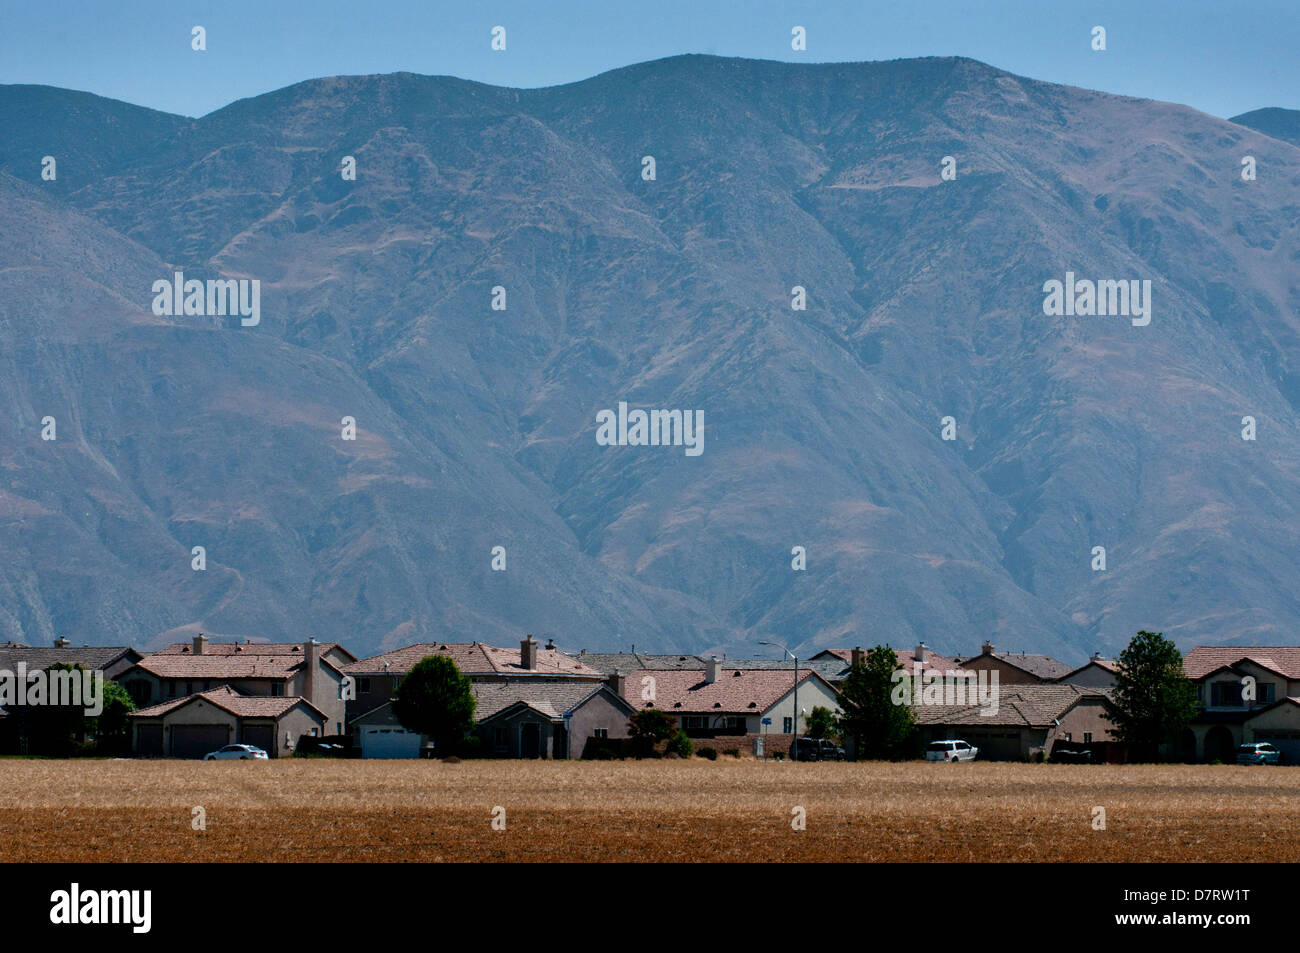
x: 277, y: 688
x: 363, y: 685
x: 499, y: 737
x: 1266, y: 696
x: 1225, y: 694
x: 600, y: 733
x: 1067, y: 736
x: 787, y: 725
x: 338, y: 727
x: 695, y: 722
x: 171, y: 689
x: 1087, y: 737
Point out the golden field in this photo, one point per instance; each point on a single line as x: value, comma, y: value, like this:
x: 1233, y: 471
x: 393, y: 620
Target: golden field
x: 693, y: 810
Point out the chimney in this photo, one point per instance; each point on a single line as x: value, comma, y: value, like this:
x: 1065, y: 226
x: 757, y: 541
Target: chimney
x: 310, y: 653
x: 617, y: 682
x: 712, y: 670
x: 528, y: 653
x: 61, y: 643
x: 922, y: 653
x: 550, y: 645
x: 859, y: 657
x: 200, y: 643
x: 987, y: 648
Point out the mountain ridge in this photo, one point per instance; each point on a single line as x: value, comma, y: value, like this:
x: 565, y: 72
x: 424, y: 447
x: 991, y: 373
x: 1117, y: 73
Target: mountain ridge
x: 678, y: 295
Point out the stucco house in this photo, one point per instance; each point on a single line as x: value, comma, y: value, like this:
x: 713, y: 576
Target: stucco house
x: 197, y: 724
x: 732, y: 705
x: 1247, y: 693
x: 1097, y: 672
x: 1028, y: 717
x: 311, y: 670
x: 1016, y: 668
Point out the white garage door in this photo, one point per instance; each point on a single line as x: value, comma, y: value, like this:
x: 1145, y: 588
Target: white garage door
x: 389, y: 743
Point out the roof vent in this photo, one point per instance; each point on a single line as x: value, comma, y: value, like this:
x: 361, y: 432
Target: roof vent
x: 736, y: 674
x: 717, y: 704
x: 678, y: 705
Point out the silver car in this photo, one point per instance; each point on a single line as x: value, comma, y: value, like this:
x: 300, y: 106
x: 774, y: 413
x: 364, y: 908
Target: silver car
x: 236, y: 753
x: 1261, y: 752
x: 950, y: 750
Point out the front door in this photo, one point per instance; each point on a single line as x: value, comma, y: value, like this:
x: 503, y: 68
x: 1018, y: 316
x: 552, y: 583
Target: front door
x: 530, y: 740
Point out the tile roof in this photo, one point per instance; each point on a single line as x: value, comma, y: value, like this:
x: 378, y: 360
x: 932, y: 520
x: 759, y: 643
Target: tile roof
x: 474, y: 658
x: 221, y: 666
x: 1041, y: 666
x: 609, y: 662
x: 1106, y: 664
x: 1204, y: 659
x: 551, y: 698
x: 245, y: 648
x: 41, y: 657
x: 1024, y: 706
x: 737, y: 691
x: 934, y: 662
x: 242, y: 706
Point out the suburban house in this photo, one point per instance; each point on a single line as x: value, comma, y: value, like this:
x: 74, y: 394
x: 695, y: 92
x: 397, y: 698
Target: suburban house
x: 1247, y: 694
x: 939, y: 669
x: 531, y: 702
x: 1098, y: 672
x: 828, y: 664
x: 310, y: 670
x: 197, y: 724
x: 732, y: 707
x: 1016, y: 668
x: 19, y: 731
x: 1028, y: 717
x: 549, y: 720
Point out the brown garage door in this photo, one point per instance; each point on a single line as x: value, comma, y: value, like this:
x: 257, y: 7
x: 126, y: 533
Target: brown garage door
x: 261, y: 736
x: 194, y: 741
x: 150, y: 744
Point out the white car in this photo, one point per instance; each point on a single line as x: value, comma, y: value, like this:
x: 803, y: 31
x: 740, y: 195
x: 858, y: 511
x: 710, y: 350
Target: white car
x: 950, y: 750
x: 235, y: 753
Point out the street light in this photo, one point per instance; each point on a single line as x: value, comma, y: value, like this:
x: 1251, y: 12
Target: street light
x: 794, y: 742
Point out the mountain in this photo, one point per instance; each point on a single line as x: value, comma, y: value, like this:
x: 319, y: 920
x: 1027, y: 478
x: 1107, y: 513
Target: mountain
x: 1281, y: 124
x: 822, y: 427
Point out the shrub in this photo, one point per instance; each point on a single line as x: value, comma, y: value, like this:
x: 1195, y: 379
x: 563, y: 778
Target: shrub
x: 681, y: 746
x: 735, y: 753
x: 707, y: 752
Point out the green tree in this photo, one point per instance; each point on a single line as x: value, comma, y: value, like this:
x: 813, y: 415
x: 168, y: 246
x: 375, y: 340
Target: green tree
x: 879, y: 728
x: 112, y: 729
x: 1152, y: 700
x: 435, y: 699
x: 821, y: 722
x: 648, y: 727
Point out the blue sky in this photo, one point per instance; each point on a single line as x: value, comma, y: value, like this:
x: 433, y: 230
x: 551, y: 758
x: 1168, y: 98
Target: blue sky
x: 1222, y: 57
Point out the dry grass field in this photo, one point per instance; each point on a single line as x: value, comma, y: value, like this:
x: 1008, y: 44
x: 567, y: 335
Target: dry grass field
x: 321, y: 810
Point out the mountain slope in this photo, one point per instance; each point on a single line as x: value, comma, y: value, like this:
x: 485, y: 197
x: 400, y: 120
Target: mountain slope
x: 822, y: 427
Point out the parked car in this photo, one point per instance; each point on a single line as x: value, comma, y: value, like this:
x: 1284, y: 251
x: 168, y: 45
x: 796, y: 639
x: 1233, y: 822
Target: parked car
x: 817, y: 749
x: 1261, y: 752
x: 235, y: 753
x: 950, y: 750
x: 1067, y: 755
